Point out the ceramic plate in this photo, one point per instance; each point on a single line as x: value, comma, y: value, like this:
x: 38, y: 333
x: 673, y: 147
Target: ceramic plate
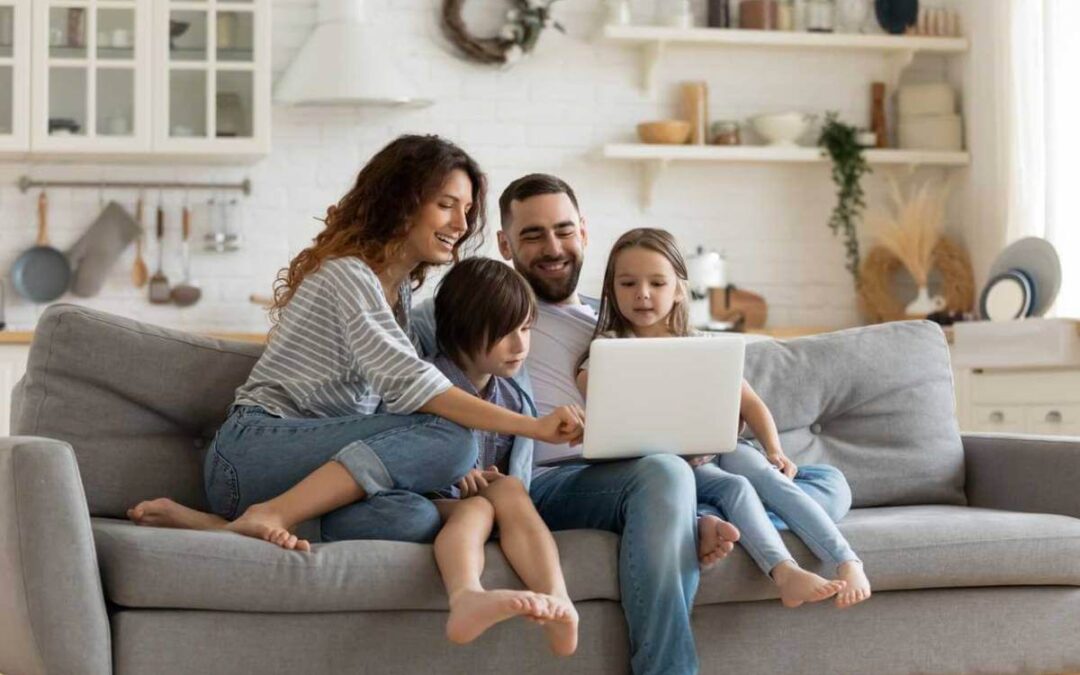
x: 896, y: 15
x: 1006, y: 297
x: 1038, y: 259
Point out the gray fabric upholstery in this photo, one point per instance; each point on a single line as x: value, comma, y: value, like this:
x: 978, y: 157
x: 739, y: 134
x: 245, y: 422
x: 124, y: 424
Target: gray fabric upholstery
x: 52, y: 611
x: 137, y: 402
x: 387, y: 643
x: 876, y: 402
x: 906, y: 547
x: 154, y: 567
x: 1023, y: 473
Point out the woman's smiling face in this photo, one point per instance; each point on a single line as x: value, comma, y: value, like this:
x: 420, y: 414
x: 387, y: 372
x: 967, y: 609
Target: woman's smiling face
x: 441, y: 222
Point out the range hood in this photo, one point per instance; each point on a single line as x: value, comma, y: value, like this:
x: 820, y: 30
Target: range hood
x: 345, y: 62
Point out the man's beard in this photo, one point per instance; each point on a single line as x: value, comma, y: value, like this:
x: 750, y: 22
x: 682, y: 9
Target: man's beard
x: 551, y: 290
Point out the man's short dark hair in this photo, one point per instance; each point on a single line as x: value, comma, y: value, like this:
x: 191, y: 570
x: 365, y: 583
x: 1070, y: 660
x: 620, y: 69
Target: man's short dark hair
x: 533, y: 185
x: 479, y: 302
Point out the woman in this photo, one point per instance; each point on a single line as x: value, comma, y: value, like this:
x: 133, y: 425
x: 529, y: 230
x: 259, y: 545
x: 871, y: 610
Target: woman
x: 303, y: 438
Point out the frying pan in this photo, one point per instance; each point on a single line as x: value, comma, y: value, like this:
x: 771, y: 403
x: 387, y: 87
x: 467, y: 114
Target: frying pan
x: 41, y: 273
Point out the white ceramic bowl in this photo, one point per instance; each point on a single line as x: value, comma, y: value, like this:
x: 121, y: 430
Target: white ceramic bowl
x: 781, y: 129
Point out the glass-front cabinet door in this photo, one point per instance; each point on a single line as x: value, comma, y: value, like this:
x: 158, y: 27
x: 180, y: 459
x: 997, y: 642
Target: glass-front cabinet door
x: 213, y: 69
x: 92, y: 69
x: 14, y: 75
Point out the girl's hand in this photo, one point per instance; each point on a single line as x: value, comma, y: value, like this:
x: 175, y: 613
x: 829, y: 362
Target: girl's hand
x: 781, y: 461
x: 698, y: 461
x: 472, y: 483
x: 565, y: 424
x: 491, y: 474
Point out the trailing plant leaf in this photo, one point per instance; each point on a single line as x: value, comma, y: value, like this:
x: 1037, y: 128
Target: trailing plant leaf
x: 849, y: 166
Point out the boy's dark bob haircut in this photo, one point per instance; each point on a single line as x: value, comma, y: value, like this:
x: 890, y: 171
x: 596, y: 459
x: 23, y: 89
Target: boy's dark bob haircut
x: 479, y: 302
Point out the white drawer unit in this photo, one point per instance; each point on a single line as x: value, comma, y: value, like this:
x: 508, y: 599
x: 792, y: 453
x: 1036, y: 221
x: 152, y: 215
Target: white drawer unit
x: 1042, y: 401
x: 12, y: 366
x: 999, y: 418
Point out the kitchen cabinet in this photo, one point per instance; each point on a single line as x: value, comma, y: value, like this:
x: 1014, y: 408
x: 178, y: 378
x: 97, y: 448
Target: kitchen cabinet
x: 14, y: 76
x: 149, y: 79
x: 1043, y: 401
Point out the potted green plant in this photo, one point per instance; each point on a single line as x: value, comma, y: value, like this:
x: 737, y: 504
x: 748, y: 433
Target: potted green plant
x: 840, y: 142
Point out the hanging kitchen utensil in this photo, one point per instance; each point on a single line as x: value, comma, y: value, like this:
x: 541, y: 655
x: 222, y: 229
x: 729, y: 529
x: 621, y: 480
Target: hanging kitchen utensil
x: 97, y: 250
x: 3, y: 305
x: 41, y: 273
x: 186, y: 293
x: 159, y: 283
x: 139, y: 273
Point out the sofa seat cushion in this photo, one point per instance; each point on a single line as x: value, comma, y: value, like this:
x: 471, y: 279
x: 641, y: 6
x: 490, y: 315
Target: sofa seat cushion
x: 185, y: 569
x: 915, y: 547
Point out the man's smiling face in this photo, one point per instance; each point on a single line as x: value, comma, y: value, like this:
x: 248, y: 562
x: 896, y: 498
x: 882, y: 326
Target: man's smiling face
x: 545, y: 237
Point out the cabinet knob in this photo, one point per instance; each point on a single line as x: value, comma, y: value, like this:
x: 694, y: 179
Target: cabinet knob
x: 1054, y: 417
x: 997, y: 416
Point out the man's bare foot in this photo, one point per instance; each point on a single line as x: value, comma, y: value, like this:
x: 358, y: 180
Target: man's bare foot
x: 858, y: 586
x: 164, y: 512
x: 798, y: 586
x: 716, y: 539
x: 474, y: 611
x: 562, y: 628
x: 262, y: 523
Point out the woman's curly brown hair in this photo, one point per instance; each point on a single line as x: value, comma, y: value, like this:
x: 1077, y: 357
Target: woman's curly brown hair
x: 373, y: 219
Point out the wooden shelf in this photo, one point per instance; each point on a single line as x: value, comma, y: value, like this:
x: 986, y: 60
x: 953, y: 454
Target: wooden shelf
x: 899, y: 50
x: 657, y: 158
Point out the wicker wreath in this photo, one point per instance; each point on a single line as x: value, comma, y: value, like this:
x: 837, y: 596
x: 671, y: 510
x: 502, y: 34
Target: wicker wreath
x: 950, y: 260
x: 526, y: 20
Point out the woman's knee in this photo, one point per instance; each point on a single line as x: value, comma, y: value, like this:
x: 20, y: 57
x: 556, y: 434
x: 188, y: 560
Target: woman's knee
x: 409, y: 518
x: 459, y: 451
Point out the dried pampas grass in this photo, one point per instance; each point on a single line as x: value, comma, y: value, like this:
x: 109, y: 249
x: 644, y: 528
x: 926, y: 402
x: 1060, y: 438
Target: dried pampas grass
x: 911, y: 229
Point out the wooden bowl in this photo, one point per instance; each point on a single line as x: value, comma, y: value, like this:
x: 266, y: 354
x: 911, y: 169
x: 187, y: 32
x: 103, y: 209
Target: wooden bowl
x: 664, y: 132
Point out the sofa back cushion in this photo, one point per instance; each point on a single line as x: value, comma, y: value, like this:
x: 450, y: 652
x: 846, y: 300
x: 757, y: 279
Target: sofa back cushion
x: 876, y: 402
x: 138, y: 403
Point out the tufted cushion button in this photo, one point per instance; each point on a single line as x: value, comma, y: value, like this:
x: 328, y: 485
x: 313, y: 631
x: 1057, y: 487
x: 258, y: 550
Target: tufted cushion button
x: 815, y: 428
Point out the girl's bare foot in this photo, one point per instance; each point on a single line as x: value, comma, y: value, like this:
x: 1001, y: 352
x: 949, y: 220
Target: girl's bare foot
x: 716, y: 539
x: 858, y: 586
x: 263, y: 523
x: 474, y: 611
x: 164, y: 512
x: 798, y: 586
x: 562, y: 629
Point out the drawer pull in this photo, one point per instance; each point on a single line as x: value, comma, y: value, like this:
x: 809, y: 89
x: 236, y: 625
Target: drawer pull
x: 997, y: 416
x: 1053, y: 417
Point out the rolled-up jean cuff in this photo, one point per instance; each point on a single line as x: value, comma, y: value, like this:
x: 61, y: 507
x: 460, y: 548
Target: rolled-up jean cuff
x: 365, y: 466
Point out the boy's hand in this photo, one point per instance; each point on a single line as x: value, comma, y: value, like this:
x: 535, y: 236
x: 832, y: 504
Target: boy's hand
x: 781, y: 461
x: 472, y: 483
x: 698, y: 461
x: 565, y: 424
x: 491, y: 474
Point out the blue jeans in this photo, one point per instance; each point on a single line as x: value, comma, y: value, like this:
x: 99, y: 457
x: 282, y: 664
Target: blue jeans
x: 649, y: 502
x: 256, y: 456
x: 741, y: 484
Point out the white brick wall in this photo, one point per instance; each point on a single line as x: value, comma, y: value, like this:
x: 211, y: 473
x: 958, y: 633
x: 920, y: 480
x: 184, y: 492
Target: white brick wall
x: 550, y: 113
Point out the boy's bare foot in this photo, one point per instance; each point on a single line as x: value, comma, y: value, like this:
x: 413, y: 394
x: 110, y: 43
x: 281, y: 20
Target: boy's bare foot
x: 716, y: 539
x: 798, y: 586
x: 262, y: 523
x: 858, y: 586
x: 562, y: 628
x: 164, y: 512
x: 474, y: 611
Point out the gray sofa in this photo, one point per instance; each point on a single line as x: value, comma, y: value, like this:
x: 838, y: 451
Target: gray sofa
x: 973, y: 543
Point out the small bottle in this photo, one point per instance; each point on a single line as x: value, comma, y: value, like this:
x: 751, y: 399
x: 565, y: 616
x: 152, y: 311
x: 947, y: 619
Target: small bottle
x: 719, y: 14
x: 785, y: 15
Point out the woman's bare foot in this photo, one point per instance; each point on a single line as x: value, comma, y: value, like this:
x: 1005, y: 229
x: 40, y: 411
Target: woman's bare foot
x: 717, y: 538
x: 474, y: 611
x: 798, y: 586
x: 858, y: 586
x: 260, y: 522
x: 562, y: 628
x: 164, y: 512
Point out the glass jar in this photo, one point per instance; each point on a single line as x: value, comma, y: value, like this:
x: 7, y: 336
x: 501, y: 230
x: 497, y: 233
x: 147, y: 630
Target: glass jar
x: 675, y: 13
x: 726, y: 132
x: 820, y: 16
x: 785, y: 15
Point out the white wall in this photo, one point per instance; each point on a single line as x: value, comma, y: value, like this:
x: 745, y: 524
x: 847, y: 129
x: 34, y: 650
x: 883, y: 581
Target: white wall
x: 551, y: 113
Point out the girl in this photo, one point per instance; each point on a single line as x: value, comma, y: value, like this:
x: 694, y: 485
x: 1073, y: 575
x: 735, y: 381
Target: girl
x: 644, y: 295
x: 306, y: 436
x: 483, y: 312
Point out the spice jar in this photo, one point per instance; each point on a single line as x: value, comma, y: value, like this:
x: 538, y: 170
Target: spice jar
x: 726, y: 132
x: 758, y: 14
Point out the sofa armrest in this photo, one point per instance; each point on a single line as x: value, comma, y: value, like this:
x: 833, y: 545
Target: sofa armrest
x: 52, y: 609
x: 1019, y: 472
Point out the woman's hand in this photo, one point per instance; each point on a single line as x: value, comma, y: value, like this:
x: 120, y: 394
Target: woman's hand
x: 781, y: 461
x: 565, y: 424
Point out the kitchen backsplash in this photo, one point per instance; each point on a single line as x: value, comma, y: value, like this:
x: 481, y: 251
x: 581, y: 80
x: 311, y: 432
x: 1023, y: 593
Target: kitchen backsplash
x: 552, y: 112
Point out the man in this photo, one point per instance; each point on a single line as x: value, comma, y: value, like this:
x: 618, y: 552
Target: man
x: 651, y: 501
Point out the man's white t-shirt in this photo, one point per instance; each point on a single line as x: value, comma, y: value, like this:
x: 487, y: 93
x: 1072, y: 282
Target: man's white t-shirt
x: 560, y: 336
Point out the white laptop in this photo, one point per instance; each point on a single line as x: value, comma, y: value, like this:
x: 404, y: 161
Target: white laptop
x: 660, y: 395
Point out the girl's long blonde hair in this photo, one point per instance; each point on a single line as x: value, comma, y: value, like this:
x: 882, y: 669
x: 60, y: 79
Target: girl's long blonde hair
x: 610, y: 320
